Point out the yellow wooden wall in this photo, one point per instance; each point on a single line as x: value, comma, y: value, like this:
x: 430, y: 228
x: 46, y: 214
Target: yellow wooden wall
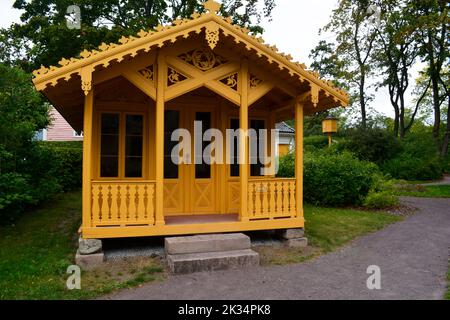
x: 187, y: 195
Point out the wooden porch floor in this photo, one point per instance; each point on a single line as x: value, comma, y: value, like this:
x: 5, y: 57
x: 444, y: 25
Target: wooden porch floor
x: 200, y: 219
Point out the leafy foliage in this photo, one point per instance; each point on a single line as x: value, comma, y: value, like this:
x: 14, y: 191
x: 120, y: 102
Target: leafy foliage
x: 45, y: 38
x: 29, y: 172
x: 318, y: 142
x: 371, y: 144
x: 417, y: 159
x: 331, y: 178
x: 334, y: 179
x: 380, y: 200
x: 67, y: 163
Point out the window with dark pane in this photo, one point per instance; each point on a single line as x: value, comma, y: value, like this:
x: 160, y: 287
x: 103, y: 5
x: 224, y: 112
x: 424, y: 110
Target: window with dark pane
x: 234, y: 166
x: 109, y: 145
x: 171, y: 123
x: 255, y: 168
x: 203, y: 170
x: 134, y: 141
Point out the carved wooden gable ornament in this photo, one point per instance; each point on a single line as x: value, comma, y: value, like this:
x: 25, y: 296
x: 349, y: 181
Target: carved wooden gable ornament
x: 214, y: 27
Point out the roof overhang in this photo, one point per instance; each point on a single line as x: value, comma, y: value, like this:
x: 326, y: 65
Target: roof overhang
x: 321, y: 94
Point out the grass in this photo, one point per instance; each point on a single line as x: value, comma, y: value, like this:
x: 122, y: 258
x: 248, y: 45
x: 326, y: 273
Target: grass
x: 327, y: 229
x: 447, y: 293
x: 35, y: 254
x: 437, y: 191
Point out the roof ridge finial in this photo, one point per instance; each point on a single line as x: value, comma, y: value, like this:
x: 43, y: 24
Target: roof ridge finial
x: 212, y: 6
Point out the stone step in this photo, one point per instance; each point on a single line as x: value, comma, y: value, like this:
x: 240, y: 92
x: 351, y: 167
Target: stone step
x: 210, y: 261
x: 207, y: 243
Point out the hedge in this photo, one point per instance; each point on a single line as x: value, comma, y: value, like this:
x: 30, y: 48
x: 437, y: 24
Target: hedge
x: 331, y: 178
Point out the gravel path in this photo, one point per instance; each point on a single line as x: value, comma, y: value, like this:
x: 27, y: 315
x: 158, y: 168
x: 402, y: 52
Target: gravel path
x: 412, y: 254
x: 444, y: 181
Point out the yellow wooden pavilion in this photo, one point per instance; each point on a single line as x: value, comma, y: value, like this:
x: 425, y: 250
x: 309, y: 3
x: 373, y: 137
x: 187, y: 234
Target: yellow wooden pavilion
x: 127, y: 98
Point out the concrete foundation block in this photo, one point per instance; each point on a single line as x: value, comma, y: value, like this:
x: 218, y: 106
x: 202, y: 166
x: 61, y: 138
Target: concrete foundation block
x: 211, y: 261
x: 89, y: 246
x: 89, y: 261
x: 207, y: 243
x: 290, y: 233
x: 297, y: 242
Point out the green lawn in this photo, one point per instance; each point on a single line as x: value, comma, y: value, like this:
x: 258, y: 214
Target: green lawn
x: 437, y: 191
x: 328, y: 229
x: 35, y: 253
x: 447, y: 294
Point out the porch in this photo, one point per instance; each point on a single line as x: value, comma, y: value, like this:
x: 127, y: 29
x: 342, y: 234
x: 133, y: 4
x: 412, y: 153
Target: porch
x: 129, y: 209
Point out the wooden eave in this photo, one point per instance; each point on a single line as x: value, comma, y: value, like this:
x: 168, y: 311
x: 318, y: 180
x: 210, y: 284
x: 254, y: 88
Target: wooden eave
x: 89, y: 61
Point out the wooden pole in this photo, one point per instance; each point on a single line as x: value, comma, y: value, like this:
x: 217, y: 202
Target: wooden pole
x: 159, y: 140
x: 243, y: 143
x: 299, y: 158
x: 87, y: 159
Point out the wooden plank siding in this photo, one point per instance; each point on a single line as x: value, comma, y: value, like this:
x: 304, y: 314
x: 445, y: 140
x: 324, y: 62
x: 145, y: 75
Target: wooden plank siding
x: 60, y: 129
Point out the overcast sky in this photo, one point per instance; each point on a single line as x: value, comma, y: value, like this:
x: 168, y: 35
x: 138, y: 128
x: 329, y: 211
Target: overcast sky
x: 293, y: 29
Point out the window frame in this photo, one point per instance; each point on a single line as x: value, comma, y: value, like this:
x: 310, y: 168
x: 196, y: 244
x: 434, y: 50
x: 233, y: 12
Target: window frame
x: 179, y: 168
x: 249, y: 155
x: 228, y: 125
x: 122, y: 145
x: 236, y: 117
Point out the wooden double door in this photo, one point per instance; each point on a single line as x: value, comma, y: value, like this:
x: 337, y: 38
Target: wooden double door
x: 189, y: 188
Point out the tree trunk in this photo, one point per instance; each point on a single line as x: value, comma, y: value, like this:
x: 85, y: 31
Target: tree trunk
x: 362, y: 100
x: 402, y: 117
x: 446, y: 142
x: 434, y: 74
x: 396, y: 122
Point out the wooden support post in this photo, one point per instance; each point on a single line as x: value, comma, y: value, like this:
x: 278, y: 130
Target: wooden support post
x: 243, y: 142
x: 87, y: 159
x: 299, y: 158
x: 273, y: 152
x: 159, y: 139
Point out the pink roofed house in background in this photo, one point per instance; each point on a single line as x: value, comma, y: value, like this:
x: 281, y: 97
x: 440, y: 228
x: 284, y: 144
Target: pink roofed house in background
x: 59, y: 129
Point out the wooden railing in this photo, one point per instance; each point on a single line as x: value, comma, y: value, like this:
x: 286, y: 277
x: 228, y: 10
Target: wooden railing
x: 271, y: 198
x: 123, y: 203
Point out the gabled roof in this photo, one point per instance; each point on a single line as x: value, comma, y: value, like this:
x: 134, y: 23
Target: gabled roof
x: 213, y: 24
x: 284, y: 127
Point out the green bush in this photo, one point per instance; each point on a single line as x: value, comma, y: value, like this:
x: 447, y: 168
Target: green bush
x: 408, y: 167
x: 331, y: 178
x: 14, y: 192
x: 447, y: 165
x: 336, y: 179
x: 418, y: 158
x: 371, y: 144
x: 380, y: 200
x: 318, y: 142
x: 41, y: 171
x: 286, y: 166
x: 67, y: 166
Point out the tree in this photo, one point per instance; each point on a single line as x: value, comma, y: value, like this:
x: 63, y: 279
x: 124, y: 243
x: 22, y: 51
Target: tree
x: 425, y: 97
x: 22, y: 113
x: 429, y: 23
x: 396, y: 53
x: 355, y: 36
x: 329, y: 64
x: 44, y: 27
